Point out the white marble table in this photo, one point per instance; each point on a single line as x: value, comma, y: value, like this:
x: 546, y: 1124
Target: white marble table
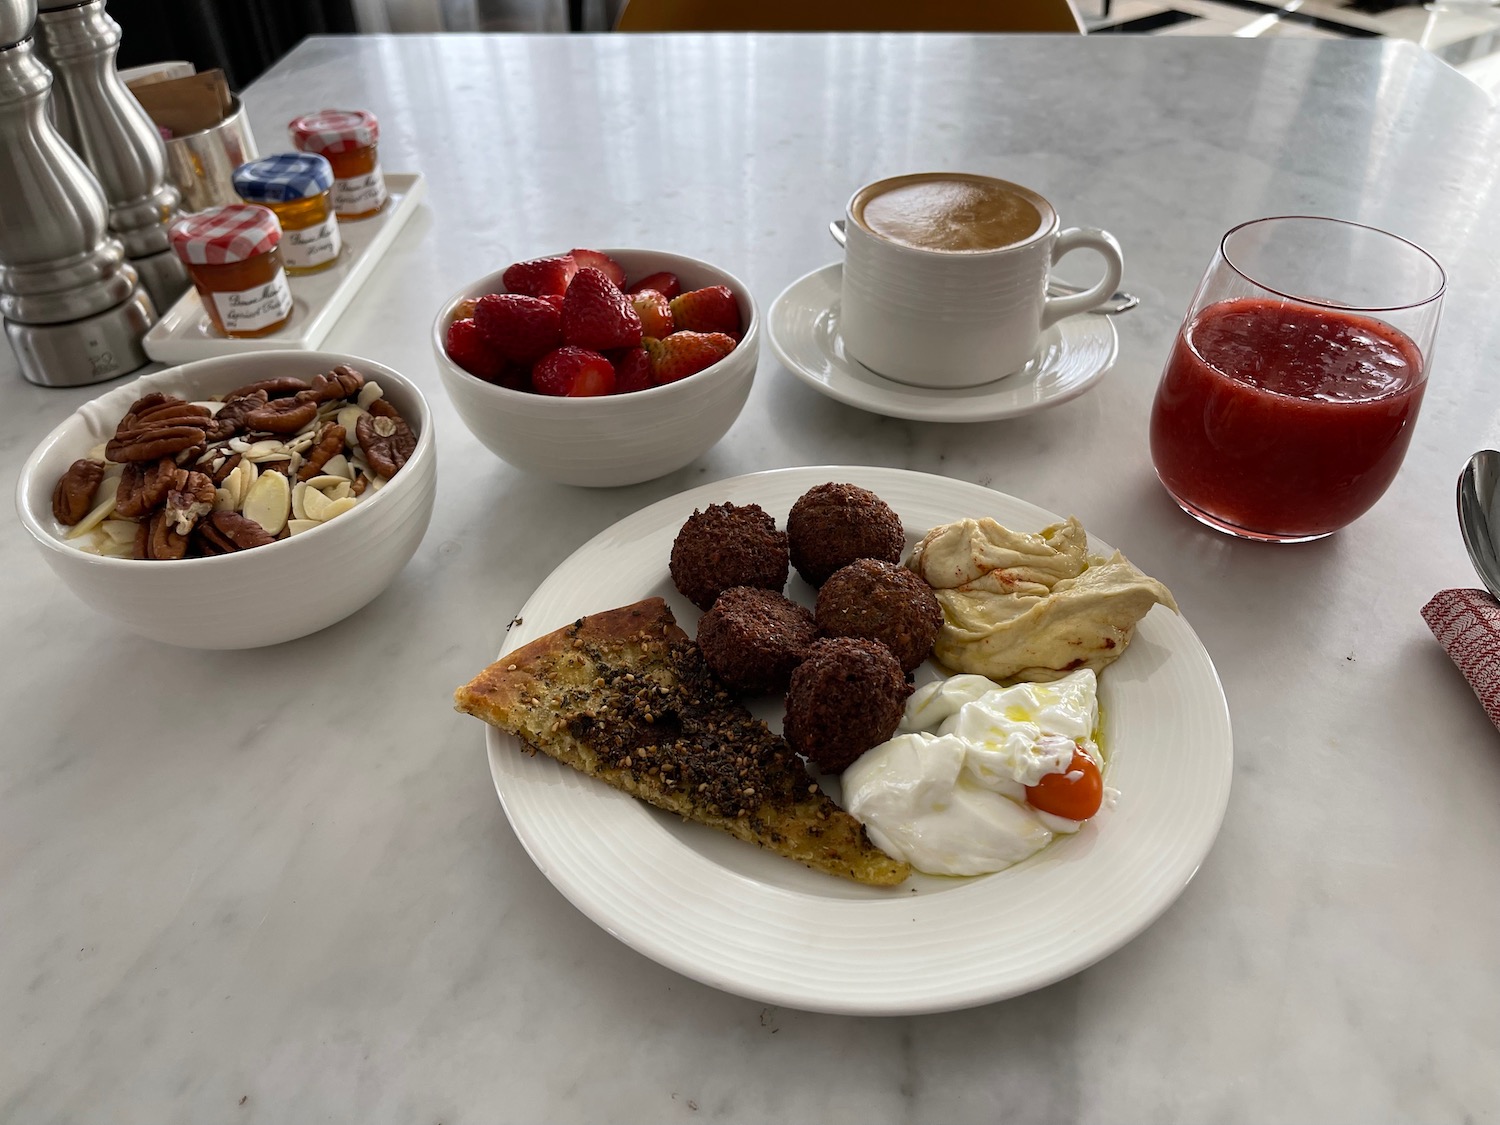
x: 298, y: 899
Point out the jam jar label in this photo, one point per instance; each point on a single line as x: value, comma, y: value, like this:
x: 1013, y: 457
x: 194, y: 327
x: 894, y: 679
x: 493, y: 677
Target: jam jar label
x: 311, y: 246
x: 250, y: 310
x: 359, y: 194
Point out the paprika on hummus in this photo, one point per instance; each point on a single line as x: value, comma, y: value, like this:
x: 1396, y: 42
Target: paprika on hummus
x: 1028, y: 606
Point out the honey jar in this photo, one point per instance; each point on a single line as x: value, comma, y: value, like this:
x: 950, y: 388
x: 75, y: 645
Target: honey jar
x: 296, y: 186
x: 349, y: 139
x: 233, y: 254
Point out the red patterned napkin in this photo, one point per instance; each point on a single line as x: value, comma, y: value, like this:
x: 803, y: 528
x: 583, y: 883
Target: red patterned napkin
x: 1467, y: 624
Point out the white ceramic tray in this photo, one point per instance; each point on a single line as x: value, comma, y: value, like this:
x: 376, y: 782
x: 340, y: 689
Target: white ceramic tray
x: 318, y: 299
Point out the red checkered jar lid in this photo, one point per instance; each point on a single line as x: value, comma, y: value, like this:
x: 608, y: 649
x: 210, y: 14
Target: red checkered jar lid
x: 332, y: 131
x: 222, y: 236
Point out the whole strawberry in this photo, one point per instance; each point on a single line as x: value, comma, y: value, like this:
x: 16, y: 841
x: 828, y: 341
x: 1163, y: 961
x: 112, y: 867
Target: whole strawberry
x: 654, y: 311
x: 712, y: 309
x: 595, y: 314
x: 686, y: 353
x: 541, y: 276
x: 632, y: 370
x: 522, y: 329
x: 574, y: 372
x: 468, y: 348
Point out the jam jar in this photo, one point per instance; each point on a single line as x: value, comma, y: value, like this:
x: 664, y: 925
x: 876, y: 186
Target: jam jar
x: 234, y: 256
x: 296, y: 186
x: 349, y: 139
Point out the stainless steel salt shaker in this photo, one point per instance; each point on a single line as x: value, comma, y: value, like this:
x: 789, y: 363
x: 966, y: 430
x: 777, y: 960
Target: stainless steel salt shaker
x: 73, y: 309
x: 116, y: 138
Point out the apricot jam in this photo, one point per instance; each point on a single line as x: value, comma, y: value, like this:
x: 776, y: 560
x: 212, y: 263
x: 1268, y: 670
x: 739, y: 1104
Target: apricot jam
x: 233, y: 254
x: 296, y: 186
x: 349, y: 140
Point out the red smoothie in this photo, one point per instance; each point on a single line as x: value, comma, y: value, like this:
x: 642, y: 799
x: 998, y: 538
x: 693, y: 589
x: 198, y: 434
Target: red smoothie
x: 1282, y: 420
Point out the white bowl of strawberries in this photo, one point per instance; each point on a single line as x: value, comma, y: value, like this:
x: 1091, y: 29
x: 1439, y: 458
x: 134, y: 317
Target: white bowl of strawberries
x: 600, y: 368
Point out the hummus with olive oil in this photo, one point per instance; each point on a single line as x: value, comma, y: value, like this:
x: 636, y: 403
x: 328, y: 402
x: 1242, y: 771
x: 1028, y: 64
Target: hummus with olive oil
x: 1024, y: 606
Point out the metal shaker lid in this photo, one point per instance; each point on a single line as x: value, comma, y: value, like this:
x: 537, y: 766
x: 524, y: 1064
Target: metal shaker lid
x: 283, y: 178
x: 332, y: 131
x: 222, y: 236
x: 16, y: 18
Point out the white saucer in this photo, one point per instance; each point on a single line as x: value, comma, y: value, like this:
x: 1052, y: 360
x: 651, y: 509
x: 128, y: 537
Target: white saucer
x: 803, y: 330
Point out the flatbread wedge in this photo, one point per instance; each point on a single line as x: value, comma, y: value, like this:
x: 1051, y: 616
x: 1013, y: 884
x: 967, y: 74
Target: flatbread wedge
x: 624, y: 696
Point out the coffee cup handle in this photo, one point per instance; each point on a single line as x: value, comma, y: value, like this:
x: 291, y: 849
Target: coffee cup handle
x: 1085, y: 238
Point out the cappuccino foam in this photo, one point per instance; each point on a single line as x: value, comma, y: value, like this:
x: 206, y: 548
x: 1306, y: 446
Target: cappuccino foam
x: 948, y: 212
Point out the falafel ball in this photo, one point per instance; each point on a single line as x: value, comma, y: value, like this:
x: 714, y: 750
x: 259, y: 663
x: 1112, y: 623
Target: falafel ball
x: 752, y: 639
x: 831, y: 525
x: 728, y: 545
x: 881, y: 601
x: 845, y: 697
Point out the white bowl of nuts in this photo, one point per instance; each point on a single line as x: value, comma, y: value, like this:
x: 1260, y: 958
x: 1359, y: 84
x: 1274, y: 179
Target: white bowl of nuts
x: 239, y: 501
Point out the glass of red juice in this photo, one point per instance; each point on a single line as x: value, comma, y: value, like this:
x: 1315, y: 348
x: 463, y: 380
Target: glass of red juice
x: 1293, y: 386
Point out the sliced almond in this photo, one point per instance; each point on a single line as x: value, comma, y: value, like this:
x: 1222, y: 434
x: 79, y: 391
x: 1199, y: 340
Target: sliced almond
x: 113, y: 550
x: 120, y: 531
x: 267, y: 451
x: 299, y: 510
x: 315, y: 504
x: 97, y: 453
x: 349, y: 417
x: 95, y: 516
x: 269, y: 502
x: 224, y: 499
x: 212, y: 405
x: 368, y: 394
x: 341, y: 491
x: 297, y: 527
x: 338, y: 466
x: 338, y: 507
x: 323, y: 482
x: 376, y: 483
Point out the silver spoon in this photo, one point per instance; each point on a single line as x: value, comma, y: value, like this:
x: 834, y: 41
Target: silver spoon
x: 1116, y: 303
x: 1479, y: 517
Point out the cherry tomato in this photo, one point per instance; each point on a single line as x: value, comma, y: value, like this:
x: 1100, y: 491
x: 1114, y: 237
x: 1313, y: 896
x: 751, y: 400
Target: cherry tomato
x: 1075, y: 794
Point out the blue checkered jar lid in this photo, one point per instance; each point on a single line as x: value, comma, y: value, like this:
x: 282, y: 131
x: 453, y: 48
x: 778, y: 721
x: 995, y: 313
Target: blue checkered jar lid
x: 283, y: 178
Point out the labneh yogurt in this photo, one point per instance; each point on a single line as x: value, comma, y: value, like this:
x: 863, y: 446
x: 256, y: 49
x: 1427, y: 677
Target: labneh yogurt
x: 949, y: 792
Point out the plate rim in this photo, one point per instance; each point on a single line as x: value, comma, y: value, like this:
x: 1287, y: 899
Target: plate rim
x: 968, y: 412
x: 704, y: 970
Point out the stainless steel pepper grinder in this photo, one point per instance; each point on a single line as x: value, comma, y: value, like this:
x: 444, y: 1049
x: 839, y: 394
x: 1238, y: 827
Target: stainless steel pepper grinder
x: 119, y: 142
x: 73, y: 308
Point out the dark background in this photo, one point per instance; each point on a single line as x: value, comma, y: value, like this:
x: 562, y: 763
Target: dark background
x: 243, y: 37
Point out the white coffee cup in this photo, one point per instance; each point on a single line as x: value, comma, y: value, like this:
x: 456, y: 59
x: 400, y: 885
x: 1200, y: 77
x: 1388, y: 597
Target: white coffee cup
x: 945, y: 281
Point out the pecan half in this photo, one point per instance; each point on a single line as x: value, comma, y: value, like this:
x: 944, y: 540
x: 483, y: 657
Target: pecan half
x: 189, y: 502
x: 222, y: 533
x: 274, y: 388
x: 157, y: 539
x: 73, y: 495
x: 385, y: 437
x: 329, y: 442
x: 151, y: 402
x: 361, y: 482
x: 143, y: 488
x: 282, y: 416
x: 231, y: 463
x: 341, y: 382
x: 173, y: 411
x: 230, y: 419
x: 152, y: 442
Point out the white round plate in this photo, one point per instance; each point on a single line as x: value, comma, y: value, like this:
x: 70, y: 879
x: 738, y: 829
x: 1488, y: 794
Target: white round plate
x: 803, y: 330
x: 750, y: 922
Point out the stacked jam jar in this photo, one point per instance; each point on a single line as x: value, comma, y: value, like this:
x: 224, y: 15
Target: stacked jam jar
x: 239, y: 255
